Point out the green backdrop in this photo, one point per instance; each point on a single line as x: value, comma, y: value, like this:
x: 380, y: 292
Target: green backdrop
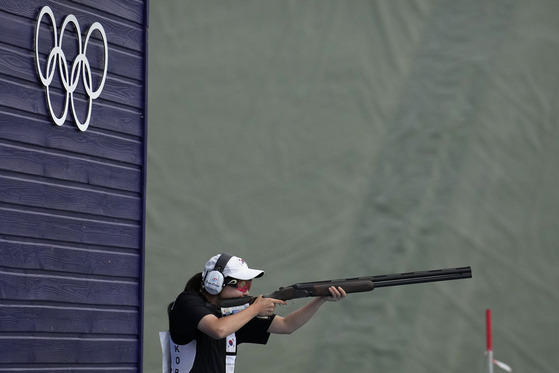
x: 326, y: 139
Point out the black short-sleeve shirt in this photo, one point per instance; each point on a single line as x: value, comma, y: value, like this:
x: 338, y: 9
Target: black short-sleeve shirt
x: 184, y: 316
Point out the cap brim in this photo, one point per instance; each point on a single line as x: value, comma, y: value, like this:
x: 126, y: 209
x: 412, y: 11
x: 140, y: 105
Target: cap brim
x: 247, y: 274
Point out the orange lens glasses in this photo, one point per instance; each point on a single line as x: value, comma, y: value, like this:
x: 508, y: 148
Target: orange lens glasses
x: 241, y: 285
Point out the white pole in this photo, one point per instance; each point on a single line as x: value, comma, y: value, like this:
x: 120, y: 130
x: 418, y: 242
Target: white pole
x: 490, y: 361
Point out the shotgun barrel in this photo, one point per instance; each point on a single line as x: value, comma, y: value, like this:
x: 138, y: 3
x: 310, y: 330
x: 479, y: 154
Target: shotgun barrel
x: 356, y: 284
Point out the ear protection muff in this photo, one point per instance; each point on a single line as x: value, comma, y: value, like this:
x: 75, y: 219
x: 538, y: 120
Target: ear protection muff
x: 214, y: 281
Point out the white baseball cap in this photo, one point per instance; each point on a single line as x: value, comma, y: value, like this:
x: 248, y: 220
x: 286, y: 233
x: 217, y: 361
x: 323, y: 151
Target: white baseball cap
x: 236, y: 268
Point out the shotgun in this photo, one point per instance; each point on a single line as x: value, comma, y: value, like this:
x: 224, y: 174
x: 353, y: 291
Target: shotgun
x: 355, y: 284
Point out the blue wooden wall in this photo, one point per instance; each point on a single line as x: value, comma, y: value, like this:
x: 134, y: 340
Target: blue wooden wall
x: 72, y: 202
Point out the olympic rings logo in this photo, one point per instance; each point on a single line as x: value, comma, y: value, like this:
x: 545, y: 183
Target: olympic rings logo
x: 70, y: 78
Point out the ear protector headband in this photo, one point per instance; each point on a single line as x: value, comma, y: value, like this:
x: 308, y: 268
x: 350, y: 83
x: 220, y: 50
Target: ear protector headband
x: 214, y: 281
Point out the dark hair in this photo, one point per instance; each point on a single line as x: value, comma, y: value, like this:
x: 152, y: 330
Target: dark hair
x: 194, y: 285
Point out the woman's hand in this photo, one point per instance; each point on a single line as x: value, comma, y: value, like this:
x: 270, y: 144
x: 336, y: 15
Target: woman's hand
x: 337, y: 294
x: 266, y: 306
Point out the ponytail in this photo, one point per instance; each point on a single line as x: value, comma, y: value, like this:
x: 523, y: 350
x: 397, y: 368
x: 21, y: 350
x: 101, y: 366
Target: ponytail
x: 194, y: 285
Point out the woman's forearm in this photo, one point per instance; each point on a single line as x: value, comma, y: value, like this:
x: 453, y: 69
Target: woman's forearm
x: 219, y: 328
x: 296, y: 319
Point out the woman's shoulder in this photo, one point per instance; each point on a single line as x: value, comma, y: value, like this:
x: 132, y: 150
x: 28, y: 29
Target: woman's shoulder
x: 192, y: 300
x: 190, y: 297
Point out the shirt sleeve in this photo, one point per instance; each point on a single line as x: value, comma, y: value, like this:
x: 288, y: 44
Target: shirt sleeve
x: 255, y: 331
x: 185, y: 315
